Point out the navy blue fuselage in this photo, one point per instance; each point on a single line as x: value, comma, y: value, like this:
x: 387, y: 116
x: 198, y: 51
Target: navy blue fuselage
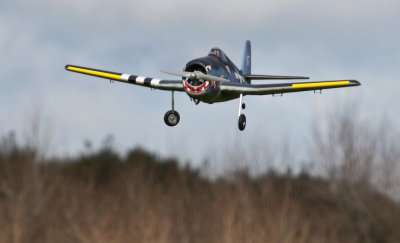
x: 215, y: 64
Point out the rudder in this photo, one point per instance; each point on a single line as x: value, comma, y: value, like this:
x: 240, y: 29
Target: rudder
x: 246, y: 62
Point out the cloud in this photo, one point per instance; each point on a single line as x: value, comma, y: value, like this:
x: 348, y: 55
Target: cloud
x: 322, y: 39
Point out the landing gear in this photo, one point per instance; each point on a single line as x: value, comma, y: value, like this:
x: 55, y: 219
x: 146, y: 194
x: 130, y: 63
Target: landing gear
x: 242, y: 122
x: 171, y: 117
x: 242, y: 117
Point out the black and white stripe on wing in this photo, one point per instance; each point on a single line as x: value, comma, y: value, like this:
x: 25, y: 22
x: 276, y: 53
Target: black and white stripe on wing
x: 129, y: 78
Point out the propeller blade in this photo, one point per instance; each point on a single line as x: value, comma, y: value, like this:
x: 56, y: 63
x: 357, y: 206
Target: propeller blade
x: 179, y: 73
x: 195, y: 75
x: 203, y: 76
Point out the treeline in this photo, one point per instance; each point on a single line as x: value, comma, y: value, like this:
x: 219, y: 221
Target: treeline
x: 103, y: 196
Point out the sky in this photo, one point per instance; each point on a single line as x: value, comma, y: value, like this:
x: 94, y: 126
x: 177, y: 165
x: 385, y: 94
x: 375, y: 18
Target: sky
x: 325, y: 40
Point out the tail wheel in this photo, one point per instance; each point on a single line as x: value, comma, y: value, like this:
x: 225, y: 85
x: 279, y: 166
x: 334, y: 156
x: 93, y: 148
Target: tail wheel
x: 171, y: 118
x: 242, y: 122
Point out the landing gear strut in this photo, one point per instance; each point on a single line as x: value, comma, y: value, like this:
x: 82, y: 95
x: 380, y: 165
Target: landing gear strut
x: 171, y: 117
x: 242, y: 117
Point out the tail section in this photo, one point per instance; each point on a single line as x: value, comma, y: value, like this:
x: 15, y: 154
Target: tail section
x: 246, y: 68
x: 246, y: 64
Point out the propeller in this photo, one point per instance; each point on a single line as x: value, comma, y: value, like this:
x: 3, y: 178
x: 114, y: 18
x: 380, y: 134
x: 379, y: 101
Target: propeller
x: 196, y: 75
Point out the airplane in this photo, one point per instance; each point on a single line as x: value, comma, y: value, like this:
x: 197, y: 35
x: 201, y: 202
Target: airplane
x: 215, y: 78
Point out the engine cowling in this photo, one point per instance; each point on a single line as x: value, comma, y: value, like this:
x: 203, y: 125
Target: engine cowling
x: 203, y: 90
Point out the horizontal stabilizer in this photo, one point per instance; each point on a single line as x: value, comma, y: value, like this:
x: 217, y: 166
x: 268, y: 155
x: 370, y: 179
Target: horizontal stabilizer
x: 260, y: 77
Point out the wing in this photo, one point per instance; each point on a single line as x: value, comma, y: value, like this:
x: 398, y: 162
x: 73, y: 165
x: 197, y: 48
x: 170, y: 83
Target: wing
x: 259, y: 77
x: 280, y: 88
x: 128, y: 78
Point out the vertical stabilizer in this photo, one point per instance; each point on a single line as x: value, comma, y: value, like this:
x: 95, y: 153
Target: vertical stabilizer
x: 246, y: 63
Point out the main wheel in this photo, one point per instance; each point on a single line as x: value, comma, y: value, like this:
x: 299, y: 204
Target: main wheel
x: 171, y: 118
x: 242, y: 122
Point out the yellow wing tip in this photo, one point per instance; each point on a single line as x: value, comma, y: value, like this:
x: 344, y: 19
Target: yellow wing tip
x: 94, y: 72
x: 321, y: 84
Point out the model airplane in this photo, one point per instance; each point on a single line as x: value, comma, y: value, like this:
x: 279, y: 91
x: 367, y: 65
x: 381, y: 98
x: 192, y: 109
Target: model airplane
x: 214, y: 78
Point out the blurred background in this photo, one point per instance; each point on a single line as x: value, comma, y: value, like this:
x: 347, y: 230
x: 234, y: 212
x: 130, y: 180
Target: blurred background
x: 84, y: 160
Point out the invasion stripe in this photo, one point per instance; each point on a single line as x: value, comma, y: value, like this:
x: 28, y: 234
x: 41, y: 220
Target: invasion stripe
x: 155, y: 81
x: 125, y: 77
x: 320, y: 84
x: 132, y: 79
x: 140, y: 80
x: 147, y: 82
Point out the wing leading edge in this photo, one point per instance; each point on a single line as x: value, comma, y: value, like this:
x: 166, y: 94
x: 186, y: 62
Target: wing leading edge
x: 261, y: 77
x: 279, y: 88
x: 175, y: 85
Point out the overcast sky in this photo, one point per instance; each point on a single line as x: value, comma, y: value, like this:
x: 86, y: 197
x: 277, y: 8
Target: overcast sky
x: 326, y: 40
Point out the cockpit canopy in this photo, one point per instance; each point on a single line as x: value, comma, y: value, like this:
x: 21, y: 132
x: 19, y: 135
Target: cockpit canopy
x: 218, y: 53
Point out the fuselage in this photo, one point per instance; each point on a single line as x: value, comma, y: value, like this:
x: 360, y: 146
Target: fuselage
x: 215, y: 64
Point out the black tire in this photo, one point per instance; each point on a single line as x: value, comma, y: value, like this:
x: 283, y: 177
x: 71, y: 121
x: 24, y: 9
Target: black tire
x: 242, y: 122
x: 243, y: 106
x: 171, y: 118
